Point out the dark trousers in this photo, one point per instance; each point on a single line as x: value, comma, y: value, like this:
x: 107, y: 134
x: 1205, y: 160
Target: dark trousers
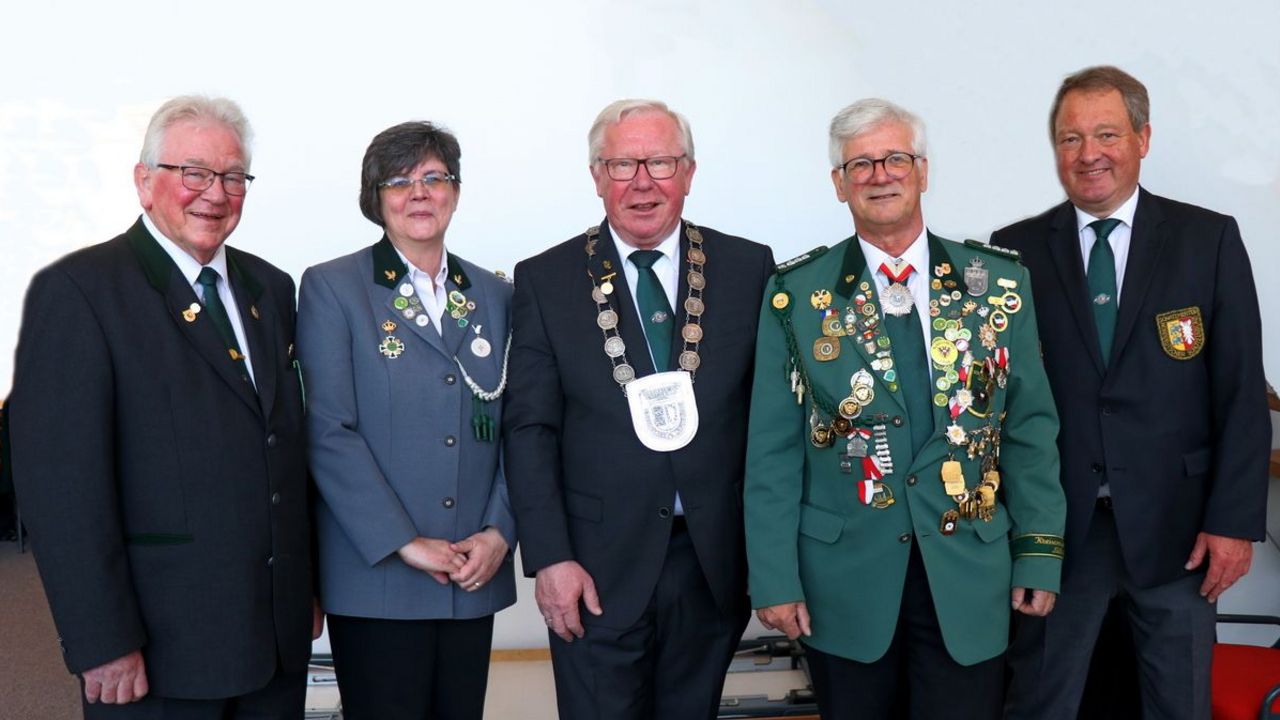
x: 411, y: 669
x: 916, y: 678
x: 1173, y: 635
x: 668, y: 665
x: 281, y: 699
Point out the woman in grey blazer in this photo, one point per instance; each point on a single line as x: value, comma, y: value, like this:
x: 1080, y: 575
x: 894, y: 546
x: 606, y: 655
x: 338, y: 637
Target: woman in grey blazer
x: 403, y: 351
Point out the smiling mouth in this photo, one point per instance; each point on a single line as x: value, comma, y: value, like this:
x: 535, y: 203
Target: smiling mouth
x: 207, y: 216
x: 644, y: 207
x: 1096, y: 172
x: 882, y: 196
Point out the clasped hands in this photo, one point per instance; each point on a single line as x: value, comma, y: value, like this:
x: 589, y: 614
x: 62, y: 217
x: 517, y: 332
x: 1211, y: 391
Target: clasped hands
x: 470, y: 562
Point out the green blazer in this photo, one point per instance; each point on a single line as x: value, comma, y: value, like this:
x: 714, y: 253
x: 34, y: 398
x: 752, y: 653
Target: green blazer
x: 810, y: 535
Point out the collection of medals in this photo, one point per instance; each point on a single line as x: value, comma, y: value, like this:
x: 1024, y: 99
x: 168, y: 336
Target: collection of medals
x: 602, y: 288
x: 407, y: 302
x: 963, y: 383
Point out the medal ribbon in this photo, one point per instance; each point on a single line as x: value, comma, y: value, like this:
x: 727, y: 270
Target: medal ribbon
x: 901, y: 276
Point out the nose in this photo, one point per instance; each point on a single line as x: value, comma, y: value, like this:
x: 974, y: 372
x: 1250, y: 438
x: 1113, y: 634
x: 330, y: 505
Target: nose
x: 1090, y: 149
x: 642, y: 179
x: 216, y: 192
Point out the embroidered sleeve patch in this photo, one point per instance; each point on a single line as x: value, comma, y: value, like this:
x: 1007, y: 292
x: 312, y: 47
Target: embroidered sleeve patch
x: 1181, y: 332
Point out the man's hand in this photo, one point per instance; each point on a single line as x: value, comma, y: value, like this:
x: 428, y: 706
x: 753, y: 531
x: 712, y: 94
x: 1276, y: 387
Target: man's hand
x: 1033, y: 602
x: 791, y: 618
x: 557, y: 590
x: 123, y: 680
x: 432, y: 556
x: 484, y: 551
x: 1229, y: 560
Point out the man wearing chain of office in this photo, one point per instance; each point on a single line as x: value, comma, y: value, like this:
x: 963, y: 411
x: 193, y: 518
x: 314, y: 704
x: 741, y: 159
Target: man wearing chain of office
x: 902, y: 482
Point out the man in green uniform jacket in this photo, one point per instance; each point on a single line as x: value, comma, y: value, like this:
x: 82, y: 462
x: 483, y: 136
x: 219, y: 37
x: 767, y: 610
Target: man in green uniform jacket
x: 902, y: 482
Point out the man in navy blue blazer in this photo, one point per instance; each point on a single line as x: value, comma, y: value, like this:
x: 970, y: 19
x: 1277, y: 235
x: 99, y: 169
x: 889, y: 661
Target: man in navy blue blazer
x: 1151, y: 338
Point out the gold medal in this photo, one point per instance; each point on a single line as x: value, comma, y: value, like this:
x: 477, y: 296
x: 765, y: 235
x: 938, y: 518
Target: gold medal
x: 820, y: 299
x: 694, y: 306
x: 841, y: 426
x: 952, y: 478
x: 833, y: 326
x: 849, y: 408
x: 696, y: 256
x: 691, y: 332
x: 606, y: 287
x: 881, y: 496
x: 943, y: 351
x: 780, y: 300
x: 388, y: 327
x: 690, y: 360
x: 826, y: 349
x: 696, y: 280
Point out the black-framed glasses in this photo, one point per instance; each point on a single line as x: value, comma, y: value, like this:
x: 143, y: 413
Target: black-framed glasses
x: 199, y: 179
x: 896, y: 165
x: 430, y: 181
x: 659, y: 168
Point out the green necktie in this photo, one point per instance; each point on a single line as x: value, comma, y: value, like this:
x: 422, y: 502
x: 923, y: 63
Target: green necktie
x: 1102, y: 285
x: 655, y: 311
x: 909, y: 357
x: 208, y: 280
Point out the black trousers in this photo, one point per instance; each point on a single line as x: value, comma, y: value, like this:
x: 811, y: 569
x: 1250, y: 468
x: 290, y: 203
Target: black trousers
x: 411, y: 669
x: 283, y: 698
x: 668, y: 665
x: 916, y: 678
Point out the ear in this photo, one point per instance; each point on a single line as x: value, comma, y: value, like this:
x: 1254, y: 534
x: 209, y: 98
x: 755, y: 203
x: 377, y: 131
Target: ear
x: 922, y: 167
x: 599, y: 177
x: 688, y: 178
x: 837, y: 179
x: 1144, y: 140
x: 142, y: 178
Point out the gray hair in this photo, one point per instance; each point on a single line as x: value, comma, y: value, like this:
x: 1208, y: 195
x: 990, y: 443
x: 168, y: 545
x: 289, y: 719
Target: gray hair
x: 195, y: 108
x: 614, y: 113
x: 866, y: 115
x: 1102, y: 78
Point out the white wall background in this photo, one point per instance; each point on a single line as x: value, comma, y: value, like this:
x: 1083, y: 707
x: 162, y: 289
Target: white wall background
x: 519, y: 83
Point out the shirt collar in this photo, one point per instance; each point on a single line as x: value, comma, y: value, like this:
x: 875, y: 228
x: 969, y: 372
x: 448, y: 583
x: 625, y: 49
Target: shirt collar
x: 669, y: 247
x: 442, y: 275
x: 1124, y: 213
x: 187, y: 265
x: 917, y: 254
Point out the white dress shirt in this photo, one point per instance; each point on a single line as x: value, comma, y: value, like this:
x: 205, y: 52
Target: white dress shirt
x: 917, y: 255
x: 430, y: 290
x: 1118, y: 239
x: 667, y: 268
x: 190, y: 270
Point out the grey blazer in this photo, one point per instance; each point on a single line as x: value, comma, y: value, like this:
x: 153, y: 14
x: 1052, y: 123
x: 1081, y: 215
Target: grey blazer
x: 392, y: 445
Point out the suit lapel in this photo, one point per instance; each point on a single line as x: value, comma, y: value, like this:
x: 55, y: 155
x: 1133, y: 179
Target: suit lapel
x: 454, y: 330
x: 1064, y: 247
x: 254, y: 305
x: 163, y: 275
x: 1145, y: 243
x: 853, y: 278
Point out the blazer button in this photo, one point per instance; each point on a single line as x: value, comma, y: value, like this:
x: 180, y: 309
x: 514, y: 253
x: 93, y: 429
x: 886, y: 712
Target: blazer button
x: 1106, y: 409
x: 904, y: 538
x: 450, y: 441
x: 271, y: 561
x: 911, y: 480
x: 1096, y: 467
x: 897, y: 421
x: 447, y: 502
x: 275, y: 498
x: 271, y: 440
x: 664, y: 512
x: 450, y: 379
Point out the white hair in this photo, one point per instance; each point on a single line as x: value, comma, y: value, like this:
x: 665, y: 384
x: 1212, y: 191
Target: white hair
x: 866, y: 115
x: 614, y: 113
x: 195, y: 108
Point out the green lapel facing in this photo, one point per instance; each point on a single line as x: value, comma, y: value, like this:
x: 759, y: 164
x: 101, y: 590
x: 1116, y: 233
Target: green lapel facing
x: 387, y: 266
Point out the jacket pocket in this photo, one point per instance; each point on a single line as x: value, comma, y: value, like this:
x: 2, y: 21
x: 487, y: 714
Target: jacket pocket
x: 820, y: 524
x: 997, y: 529
x: 1198, y: 462
x: 584, y: 507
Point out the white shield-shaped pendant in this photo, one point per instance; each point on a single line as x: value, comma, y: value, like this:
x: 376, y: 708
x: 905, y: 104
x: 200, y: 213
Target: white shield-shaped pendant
x: 664, y: 410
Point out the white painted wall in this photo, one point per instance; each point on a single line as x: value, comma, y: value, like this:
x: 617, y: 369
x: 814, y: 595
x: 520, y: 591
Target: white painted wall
x: 520, y: 82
